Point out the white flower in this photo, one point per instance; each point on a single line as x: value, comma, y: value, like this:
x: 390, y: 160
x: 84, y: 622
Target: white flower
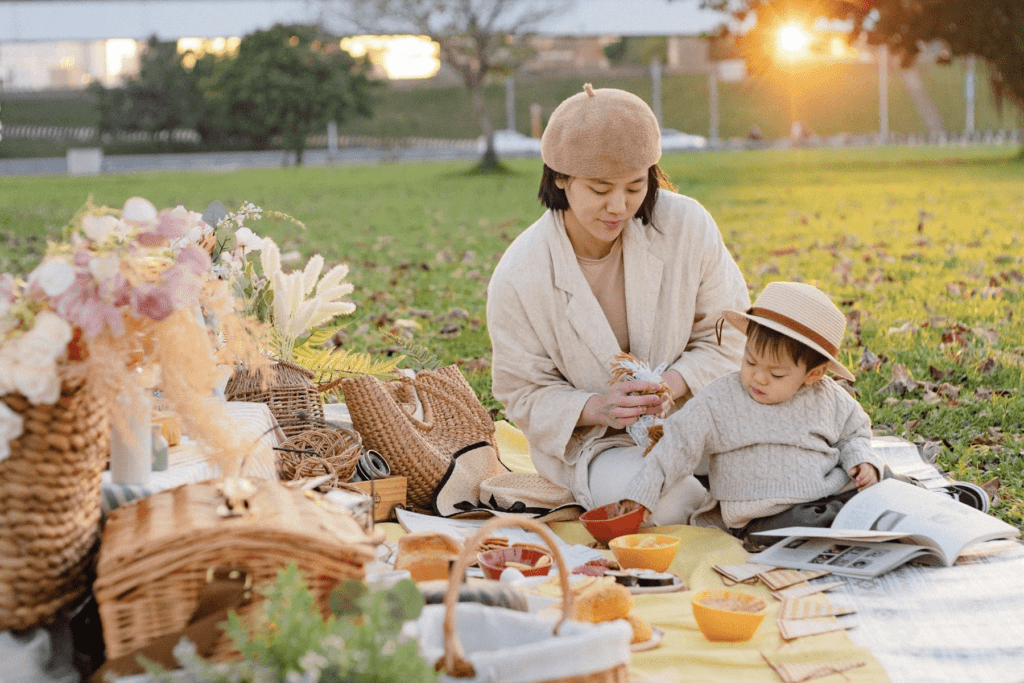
x: 105, y: 268
x: 139, y: 210
x: 53, y: 275
x: 99, y: 228
x: 311, y: 273
x: 247, y: 240
x: 39, y: 384
x: 270, y: 258
x: 11, y: 425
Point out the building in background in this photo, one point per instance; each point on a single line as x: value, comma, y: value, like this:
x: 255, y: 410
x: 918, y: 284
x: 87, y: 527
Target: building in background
x: 47, y: 44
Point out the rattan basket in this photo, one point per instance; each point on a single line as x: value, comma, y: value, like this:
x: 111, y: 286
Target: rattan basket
x: 50, y: 504
x: 287, y: 389
x: 454, y: 664
x: 157, y: 552
x: 320, y: 451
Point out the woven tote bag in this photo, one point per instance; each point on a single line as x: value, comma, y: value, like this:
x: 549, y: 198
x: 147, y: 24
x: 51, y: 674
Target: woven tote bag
x: 418, y: 424
x: 50, y: 504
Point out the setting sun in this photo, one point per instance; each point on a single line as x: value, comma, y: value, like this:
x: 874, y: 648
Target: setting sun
x: 793, y: 40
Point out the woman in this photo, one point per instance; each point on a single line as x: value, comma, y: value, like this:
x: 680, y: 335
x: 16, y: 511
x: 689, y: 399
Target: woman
x: 616, y: 264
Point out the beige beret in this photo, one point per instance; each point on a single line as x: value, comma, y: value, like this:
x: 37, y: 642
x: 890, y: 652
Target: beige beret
x: 603, y: 133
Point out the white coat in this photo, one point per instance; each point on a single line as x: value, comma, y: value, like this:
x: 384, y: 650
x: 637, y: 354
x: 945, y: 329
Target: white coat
x: 552, y: 344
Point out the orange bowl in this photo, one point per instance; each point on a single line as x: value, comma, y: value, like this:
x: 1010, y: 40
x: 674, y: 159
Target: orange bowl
x: 727, y: 616
x: 645, y: 551
x: 612, y: 520
x: 493, y: 562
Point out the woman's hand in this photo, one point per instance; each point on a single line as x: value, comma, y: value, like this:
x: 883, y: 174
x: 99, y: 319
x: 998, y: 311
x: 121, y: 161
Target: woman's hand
x: 864, y: 475
x: 623, y: 405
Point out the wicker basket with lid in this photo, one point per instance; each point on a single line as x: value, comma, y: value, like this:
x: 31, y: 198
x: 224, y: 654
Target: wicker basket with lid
x: 157, y: 552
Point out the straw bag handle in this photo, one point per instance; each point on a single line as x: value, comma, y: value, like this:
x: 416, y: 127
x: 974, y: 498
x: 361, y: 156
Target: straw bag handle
x: 453, y: 661
x: 427, y: 423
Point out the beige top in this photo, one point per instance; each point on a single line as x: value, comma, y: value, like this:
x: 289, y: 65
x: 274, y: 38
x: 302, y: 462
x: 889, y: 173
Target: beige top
x: 607, y: 279
x: 552, y: 342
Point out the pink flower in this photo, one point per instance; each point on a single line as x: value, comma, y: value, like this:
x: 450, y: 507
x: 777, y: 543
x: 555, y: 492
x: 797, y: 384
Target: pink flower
x: 195, y: 259
x: 182, y: 286
x: 152, y: 302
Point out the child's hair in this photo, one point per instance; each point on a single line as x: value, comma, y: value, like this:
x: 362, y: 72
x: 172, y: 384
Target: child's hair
x: 766, y: 339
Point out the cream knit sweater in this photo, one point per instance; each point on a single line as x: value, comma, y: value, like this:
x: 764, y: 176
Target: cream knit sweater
x: 799, y: 450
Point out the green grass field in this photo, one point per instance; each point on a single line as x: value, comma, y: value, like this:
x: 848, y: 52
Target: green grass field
x: 921, y: 247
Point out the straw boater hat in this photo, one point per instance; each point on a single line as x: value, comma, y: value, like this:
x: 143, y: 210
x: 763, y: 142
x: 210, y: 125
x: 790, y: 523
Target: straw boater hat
x: 802, y: 312
x: 603, y: 133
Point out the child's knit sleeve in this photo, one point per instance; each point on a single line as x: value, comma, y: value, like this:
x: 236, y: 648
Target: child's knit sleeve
x: 854, y: 442
x: 688, y: 436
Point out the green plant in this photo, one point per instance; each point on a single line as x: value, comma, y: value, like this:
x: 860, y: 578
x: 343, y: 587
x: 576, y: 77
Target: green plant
x: 289, y: 640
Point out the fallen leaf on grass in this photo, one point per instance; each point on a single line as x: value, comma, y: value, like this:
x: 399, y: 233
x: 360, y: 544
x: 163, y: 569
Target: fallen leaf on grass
x: 991, y: 487
x: 902, y: 383
x: 930, y: 449
x: 987, y: 366
x: 853, y: 326
x: 905, y: 328
x: 869, y: 361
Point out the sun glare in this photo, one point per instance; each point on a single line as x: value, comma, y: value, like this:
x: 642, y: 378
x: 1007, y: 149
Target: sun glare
x: 399, y: 56
x: 793, y: 40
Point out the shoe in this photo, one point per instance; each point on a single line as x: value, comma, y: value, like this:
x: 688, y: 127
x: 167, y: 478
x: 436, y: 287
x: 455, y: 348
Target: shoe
x: 966, y: 493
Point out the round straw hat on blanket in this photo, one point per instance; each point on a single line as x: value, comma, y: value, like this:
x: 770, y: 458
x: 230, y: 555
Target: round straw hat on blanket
x: 801, y: 312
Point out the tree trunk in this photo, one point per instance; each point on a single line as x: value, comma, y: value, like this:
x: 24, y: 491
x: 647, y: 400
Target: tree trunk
x: 489, y: 161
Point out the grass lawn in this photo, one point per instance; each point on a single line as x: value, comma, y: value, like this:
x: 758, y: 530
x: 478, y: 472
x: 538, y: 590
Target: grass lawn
x: 922, y: 247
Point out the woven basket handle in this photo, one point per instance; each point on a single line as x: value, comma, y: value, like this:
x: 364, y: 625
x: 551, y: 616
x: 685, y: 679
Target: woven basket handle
x: 453, y: 661
x: 449, y: 396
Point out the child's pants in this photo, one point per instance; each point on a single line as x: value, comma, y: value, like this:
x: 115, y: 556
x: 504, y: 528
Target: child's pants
x: 612, y: 470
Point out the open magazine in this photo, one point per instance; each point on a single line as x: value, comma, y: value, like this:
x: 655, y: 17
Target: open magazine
x: 927, y: 525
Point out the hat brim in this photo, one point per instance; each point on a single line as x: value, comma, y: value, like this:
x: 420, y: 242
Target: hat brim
x: 739, y: 320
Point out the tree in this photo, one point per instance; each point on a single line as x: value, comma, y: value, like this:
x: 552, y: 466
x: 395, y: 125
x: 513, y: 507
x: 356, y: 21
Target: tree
x: 287, y: 81
x: 477, y: 38
x: 990, y: 29
x: 165, y: 96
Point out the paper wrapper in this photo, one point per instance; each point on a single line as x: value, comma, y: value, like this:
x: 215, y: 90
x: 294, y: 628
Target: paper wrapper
x: 811, y: 607
x: 801, y: 590
x: 797, y: 672
x: 777, y: 579
x: 799, y: 628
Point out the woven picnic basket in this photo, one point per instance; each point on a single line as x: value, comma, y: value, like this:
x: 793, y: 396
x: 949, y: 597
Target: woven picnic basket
x: 318, y: 452
x: 50, y: 503
x: 287, y: 389
x: 507, y: 640
x: 158, y: 552
x: 418, y: 448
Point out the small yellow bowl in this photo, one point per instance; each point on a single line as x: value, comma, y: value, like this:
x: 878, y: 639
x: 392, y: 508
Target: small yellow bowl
x: 645, y: 551
x: 728, y: 616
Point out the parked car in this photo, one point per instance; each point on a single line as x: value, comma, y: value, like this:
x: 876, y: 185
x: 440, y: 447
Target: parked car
x: 511, y: 143
x: 673, y: 140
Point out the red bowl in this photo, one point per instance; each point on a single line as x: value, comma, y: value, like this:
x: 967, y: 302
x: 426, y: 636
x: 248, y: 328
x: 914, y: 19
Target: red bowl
x: 612, y: 520
x: 493, y: 562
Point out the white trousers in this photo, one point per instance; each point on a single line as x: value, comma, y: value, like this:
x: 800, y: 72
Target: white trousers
x: 612, y: 470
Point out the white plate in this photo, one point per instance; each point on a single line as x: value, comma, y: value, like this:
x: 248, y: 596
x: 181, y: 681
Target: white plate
x: 677, y: 585
x: 657, y: 635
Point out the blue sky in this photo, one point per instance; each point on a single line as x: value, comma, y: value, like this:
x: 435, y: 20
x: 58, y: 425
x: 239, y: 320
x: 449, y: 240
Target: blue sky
x: 48, y: 20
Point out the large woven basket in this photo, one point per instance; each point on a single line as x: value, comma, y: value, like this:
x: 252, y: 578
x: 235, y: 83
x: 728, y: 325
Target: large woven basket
x: 50, y: 504
x: 157, y: 552
x: 419, y: 449
x: 287, y: 389
x: 454, y: 664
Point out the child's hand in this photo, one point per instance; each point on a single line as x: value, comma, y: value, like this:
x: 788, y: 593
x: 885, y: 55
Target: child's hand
x: 864, y: 475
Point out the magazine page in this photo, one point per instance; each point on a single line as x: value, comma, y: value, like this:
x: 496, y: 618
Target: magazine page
x: 865, y: 536
x: 863, y: 560
x: 929, y: 518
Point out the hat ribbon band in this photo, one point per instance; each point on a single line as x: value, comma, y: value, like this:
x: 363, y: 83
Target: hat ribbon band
x: 796, y: 327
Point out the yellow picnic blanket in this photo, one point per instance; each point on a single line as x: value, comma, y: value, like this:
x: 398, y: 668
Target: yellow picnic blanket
x: 685, y: 655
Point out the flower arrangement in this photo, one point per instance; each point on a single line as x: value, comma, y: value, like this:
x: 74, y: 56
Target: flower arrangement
x: 122, y: 303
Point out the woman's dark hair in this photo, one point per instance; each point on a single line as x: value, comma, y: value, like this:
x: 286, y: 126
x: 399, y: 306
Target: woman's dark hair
x: 553, y: 197
x: 766, y: 339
